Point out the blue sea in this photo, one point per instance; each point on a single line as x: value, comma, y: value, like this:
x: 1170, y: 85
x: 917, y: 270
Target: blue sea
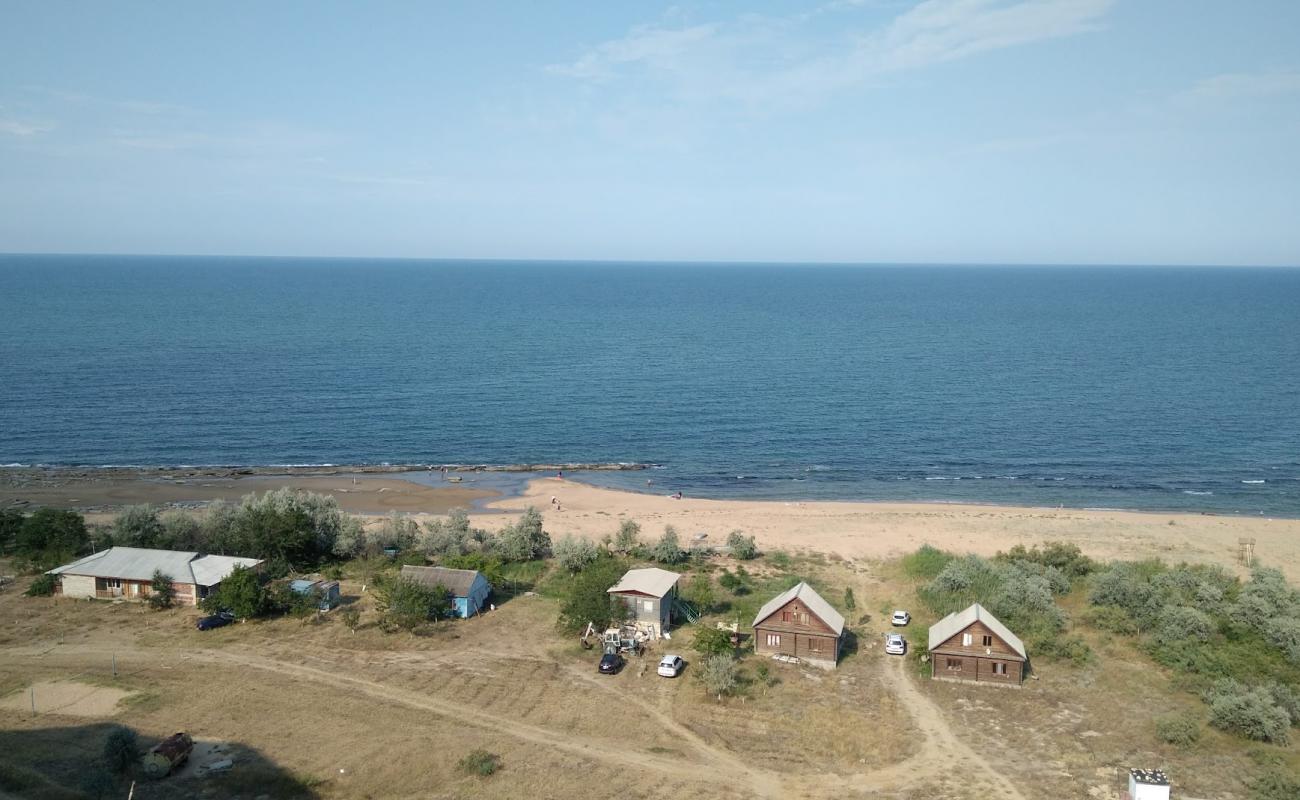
x: 1149, y: 388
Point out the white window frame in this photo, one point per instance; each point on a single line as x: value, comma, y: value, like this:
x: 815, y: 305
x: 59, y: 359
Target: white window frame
x: 967, y: 640
x: 774, y: 640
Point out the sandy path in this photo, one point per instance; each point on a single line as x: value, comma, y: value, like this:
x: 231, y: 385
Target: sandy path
x: 942, y: 754
x: 886, y: 530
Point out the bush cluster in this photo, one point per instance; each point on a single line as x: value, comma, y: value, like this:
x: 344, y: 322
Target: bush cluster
x: 1182, y: 730
x: 1249, y: 711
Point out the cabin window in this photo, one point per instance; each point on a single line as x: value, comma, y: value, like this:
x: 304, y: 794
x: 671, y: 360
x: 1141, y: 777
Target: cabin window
x: 1000, y: 668
x: 785, y: 616
x: 814, y: 645
x: 647, y: 605
x: 803, y: 619
x: 954, y: 665
x: 774, y: 640
x: 966, y: 640
x: 987, y: 641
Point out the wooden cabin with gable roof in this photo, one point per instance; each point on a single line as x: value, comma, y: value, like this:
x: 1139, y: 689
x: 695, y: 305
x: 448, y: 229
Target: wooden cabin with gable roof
x: 799, y: 624
x: 972, y: 645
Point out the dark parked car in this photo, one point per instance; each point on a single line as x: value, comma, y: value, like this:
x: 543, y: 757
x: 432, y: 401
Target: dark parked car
x: 611, y: 663
x: 216, y: 620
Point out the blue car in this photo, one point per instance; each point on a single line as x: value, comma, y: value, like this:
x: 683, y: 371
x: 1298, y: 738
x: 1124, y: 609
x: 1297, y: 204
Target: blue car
x: 215, y: 621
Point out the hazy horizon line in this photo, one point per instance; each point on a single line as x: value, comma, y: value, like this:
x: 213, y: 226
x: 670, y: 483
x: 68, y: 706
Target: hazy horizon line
x: 660, y: 262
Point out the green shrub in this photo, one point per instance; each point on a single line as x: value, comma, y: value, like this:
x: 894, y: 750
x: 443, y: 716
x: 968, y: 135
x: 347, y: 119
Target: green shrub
x: 742, y: 546
x: 1062, y: 648
x: 1178, y: 623
x: 121, y: 749
x: 406, y: 604
x: 1112, y: 619
x: 1182, y: 730
x: 1251, y: 712
x: 668, y: 550
x: 1274, y: 784
x: 575, y: 554
x: 712, y: 641
x: 1062, y: 556
x: 42, y: 586
x: 628, y: 538
x: 351, y: 617
x: 480, y: 763
x: 926, y: 562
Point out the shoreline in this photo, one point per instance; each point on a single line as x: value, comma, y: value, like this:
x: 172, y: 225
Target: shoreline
x: 506, y: 480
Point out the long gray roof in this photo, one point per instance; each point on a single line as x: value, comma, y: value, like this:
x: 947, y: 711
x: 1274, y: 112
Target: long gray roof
x: 810, y: 598
x: 456, y: 581
x: 139, y: 564
x: 958, y: 621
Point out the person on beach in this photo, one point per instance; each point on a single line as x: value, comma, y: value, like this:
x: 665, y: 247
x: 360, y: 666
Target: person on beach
x: 554, y: 501
x: 559, y: 475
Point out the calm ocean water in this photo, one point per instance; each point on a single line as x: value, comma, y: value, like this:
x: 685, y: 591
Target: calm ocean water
x: 1156, y: 388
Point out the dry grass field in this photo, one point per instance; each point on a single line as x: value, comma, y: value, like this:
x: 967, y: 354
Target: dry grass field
x: 313, y: 710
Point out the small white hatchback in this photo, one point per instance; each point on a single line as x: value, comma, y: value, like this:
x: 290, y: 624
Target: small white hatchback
x: 900, y: 618
x: 895, y: 645
x: 671, y: 666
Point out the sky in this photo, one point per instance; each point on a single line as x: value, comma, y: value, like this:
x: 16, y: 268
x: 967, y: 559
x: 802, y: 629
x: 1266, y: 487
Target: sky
x: 949, y: 131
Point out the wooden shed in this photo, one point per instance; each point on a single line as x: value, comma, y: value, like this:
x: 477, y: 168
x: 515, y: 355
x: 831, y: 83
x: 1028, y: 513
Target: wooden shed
x: 972, y: 645
x: 648, y: 594
x: 799, y: 624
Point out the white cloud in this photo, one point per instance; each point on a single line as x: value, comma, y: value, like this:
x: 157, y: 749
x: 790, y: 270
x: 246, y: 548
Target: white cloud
x: 755, y: 59
x: 15, y: 128
x: 1245, y: 84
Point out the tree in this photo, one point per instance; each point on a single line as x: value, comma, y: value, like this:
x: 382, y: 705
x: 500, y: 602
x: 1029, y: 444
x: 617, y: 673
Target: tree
x: 742, y: 546
x: 397, y: 532
x: 575, y: 554
x: 589, y: 600
x: 138, y: 526
x: 628, y: 538
x: 407, y: 604
x: 10, y: 521
x: 699, y: 593
x: 668, y: 550
x: 719, y: 675
x: 161, y: 591
x: 121, y: 749
x: 50, y: 537
x: 240, y: 593
x: 525, y: 539
x: 42, y: 586
x: 181, y: 531
x: 849, y: 602
x: 712, y: 642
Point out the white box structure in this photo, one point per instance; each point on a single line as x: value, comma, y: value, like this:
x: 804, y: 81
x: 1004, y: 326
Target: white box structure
x: 1147, y: 784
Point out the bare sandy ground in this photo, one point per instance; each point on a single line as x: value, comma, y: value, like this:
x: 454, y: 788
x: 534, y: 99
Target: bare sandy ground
x: 70, y: 698
x: 365, y: 495
x: 883, y: 530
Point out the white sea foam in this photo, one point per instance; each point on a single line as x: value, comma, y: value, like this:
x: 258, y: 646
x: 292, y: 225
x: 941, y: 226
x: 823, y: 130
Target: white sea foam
x: 1193, y: 491
x: 1252, y: 481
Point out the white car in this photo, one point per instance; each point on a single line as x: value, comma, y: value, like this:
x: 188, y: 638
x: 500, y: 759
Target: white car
x: 895, y: 645
x: 900, y: 618
x: 671, y: 666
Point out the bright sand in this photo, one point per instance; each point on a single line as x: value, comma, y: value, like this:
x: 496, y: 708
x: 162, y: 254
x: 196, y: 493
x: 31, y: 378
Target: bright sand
x: 882, y: 530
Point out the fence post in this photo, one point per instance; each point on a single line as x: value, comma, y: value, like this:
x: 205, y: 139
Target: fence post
x: 33, y: 693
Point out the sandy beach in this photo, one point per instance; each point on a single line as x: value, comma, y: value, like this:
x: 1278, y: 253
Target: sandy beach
x: 883, y: 530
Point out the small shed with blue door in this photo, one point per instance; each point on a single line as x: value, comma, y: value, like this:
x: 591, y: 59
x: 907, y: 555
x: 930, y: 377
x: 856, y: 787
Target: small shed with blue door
x: 469, y: 589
